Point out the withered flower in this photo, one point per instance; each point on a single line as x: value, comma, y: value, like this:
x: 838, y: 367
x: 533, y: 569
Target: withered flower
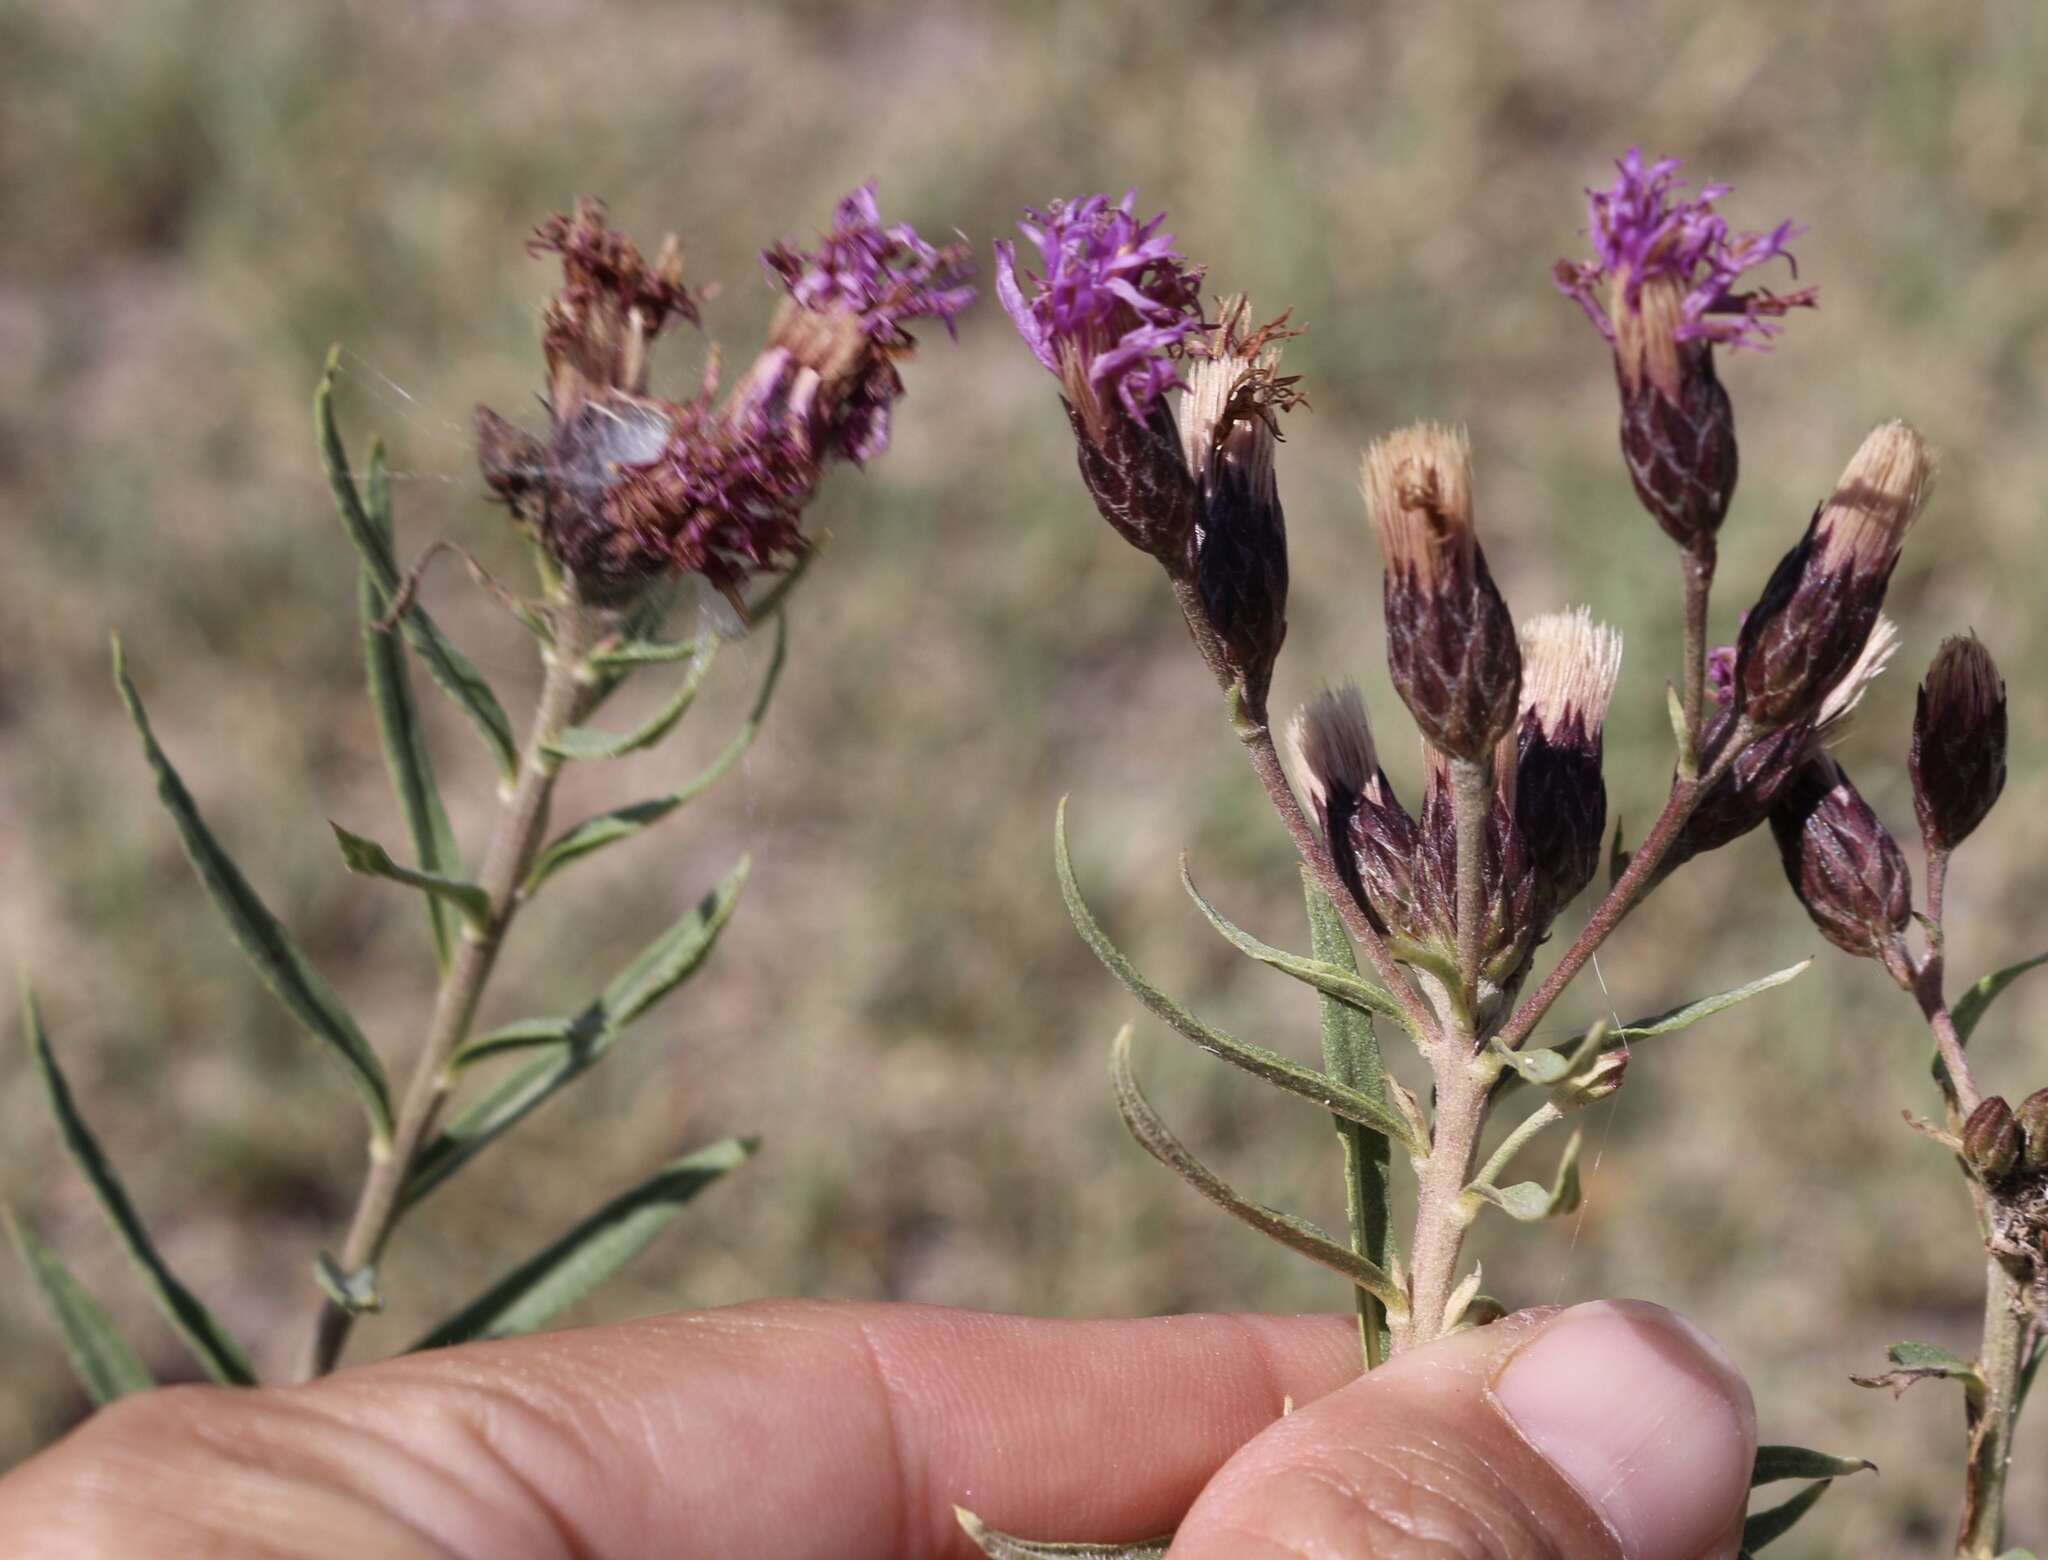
x: 1661, y: 289
x: 1450, y: 641
x: 630, y: 487
x: 1958, y: 754
x: 1816, y: 611
x: 1841, y: 861
x: 1569, y: 668
x: 1229, y: 425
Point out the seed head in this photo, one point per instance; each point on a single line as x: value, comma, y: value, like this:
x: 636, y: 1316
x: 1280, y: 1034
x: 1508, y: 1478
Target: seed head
x: 1450, y: 640
x: 1992, y: 1142
x: 1841, y: 861
x: 1958, y: 753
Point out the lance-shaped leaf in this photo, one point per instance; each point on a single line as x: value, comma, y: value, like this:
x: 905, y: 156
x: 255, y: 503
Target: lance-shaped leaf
x: 106, y: 1367
x: 589, y: 742
x: 1340, y: 981
x: 629, y: 653
x: 279, y: 964
x: 450, y: 669
x: 1157, y: 1139
x: 524, y: 1034
x: 399, y: 728
x: 1970, y: 1006
x: 549, y: 1282
x: 1917, y: 1362
x: 1798, y: 1462
x: 1002, y: 1546
x: 662, y: 966
x: 1351, y: 1055
x: 370, y: 859
x: 595, y: 833
x: 1337, y: 1098
x: 218, y: 1353
x: 1529, y: 1201
x: 1767, y: 1527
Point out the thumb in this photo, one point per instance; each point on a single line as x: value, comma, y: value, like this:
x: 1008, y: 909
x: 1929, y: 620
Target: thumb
x: 1611, y: 1431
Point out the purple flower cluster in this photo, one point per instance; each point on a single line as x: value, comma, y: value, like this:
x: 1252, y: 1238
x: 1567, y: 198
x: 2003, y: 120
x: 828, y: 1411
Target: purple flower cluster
x: 885, y: 275
x: 1642, y: 229
x: 1116, y: 305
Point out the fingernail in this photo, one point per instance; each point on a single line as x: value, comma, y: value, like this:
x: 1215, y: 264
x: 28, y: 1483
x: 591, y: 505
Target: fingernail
x: 1646, y: 1417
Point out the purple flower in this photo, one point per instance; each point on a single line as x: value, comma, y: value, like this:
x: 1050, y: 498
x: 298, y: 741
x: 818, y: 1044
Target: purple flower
x: 1116, y: 305
x: 1643, y: 230
x: 884, y: 275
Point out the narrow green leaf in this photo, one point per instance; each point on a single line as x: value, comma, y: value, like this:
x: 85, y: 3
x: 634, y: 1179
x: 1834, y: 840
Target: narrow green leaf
x: 524, y: 1035
x: 1340, y: 1099
x: 279, y: 964
x: 1297, y: 1234
x: 588, y: 742
x: 1002, y: 1546
x: 547, y: 1283
x: 217, y: 1352
x: 450, y: 669
x: 1351, y: 1055
x: 595, y: 833
x: 1340, y: 981
x: 106, y: 1367
x: 1529, y: 1201
x: 1798, y: 1462
x: 370, y: 859
x: 662, y: 966
x: 1686, y: 1014
x: 399, y: 728
x: 1767, y: 1527
x: 1970, y: 1006
x: 629, y: 653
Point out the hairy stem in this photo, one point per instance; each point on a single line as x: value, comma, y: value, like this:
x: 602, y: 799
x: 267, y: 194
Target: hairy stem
x: 522, y: 817
x: 1471, y: 802
x: 1442, y: 1215
x: 1257, y: 737
x: 1697, y: 562
x: 1992, y: 1408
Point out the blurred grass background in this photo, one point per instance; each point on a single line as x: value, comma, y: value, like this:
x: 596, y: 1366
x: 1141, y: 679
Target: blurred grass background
x: 202, y: 196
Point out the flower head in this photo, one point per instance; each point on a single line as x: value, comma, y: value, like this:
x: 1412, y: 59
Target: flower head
x: 1569, y: 668
x: 1661, y: 252
x: 1116, y: 307
x: 1371, y: 837
x: 1842, y: 862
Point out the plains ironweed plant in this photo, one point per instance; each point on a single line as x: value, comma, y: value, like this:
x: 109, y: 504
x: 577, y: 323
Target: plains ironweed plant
x: 1450, y: 903
x: 624, y: 497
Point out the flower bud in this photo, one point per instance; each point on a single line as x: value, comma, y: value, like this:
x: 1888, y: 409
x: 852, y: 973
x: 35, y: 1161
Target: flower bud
x: 1229, y: 425
x: 1371, y: 836
x: 1569, y: 667
x: 2033, y: 1120
x: 1958, y: 754
x: 1450, y: 641
x: 1991, y: 1140
x: 1817, y: 611
x: 1509, y: 928
x: 1842, y: 863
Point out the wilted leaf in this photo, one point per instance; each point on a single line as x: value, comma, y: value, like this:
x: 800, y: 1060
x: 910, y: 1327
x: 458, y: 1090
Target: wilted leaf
x: 217, y: 1352
x: 370, y: 859
x: 1915, y: 1362
x: 544, y: 1285
x: 449, y: 668
x: 1331, y: 979
x: 1274, y: 1068
x: 1969, y: 1008
x: 106, y: 1367
x: 279, y: 964
x: 1001, y: 1546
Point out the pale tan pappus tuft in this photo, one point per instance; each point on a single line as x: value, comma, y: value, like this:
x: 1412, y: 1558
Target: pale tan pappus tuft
x: 1881, y: 493
x: 1843, y: 698
x: 1330, y: 741
x: 1569, y: 666
x: 1418, y: 489
x: 1233, y: 389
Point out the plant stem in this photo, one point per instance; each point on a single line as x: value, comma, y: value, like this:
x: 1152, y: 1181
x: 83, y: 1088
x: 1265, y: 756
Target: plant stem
x: 1257, y: 737
x: 1992, y: 1408
x: 1697, y: 563
x: 1471, y: 802
x: 1441, y: 1213
x: 1961, y: 1083
x: 522, y: 817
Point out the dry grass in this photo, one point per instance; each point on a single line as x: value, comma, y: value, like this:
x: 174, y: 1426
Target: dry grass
x: 202, y: 196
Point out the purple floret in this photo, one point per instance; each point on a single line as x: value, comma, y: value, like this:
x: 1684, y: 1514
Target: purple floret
x: 1117, y: 301
x: 1643, y: 228
x: 885, y: 275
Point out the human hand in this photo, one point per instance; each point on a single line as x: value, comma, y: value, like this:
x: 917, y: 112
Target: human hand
x: 792, y: 1429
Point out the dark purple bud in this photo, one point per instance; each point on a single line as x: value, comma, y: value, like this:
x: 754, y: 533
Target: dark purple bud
x: 1230, y: 425
x: 2033, y: 1120
x: 1992, y: 1143
x: 1451, y: 643
x: 1569, y: 667
x: 1958, y: 752
x: 1370, y: 835
x: 1817, y: 611
x: 1842, y: 863
x: 1681, y: 452
x: 1509, y: 927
